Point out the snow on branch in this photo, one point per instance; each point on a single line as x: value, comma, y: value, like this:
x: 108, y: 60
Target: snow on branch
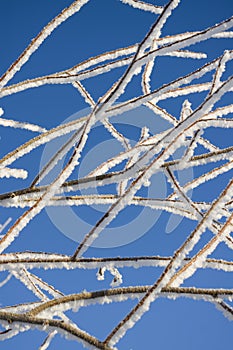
x: 192, y: 140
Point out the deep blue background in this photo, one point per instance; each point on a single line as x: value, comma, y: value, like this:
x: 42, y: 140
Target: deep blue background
x: 104, y: 25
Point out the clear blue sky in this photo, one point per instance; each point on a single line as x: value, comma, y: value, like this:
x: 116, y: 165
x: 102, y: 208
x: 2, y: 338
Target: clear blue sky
x: 104, y: 25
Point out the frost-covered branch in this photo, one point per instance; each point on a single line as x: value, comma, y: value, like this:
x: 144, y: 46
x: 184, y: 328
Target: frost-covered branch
x: 192, y: 140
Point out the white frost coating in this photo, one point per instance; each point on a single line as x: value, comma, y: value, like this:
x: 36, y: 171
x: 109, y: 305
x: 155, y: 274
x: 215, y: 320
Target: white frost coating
x: 133, y: 153
x: 101, y: 273
x: 204, y: 142
x: 63, y: 16
x: 4, y: 225
x: 70, y: 127
x: 116, y: 134
x: 64, y: 77
x: 226, y: 309
x: 219, y: 112
x: 201, y: 36
x: 206, y: 177
x: 59, y: 155
x: 183, y: 91
x: 187, y: 54
x: 117, y: 280
x: 21, y: 327
x: 173, y: 38
x: 216, y: 157
x: 14, y: 231
x: 200, y: 258
x: 156, y: 30
x: 220, y: 70
x: 93, y: 72
x: 177, y: 261
x: 101, y: 58
x: 216, y: 123
x: 1, y: 111
x: 21, y: 308
x: 121, y: 186
x: 78, y: 303
x: 42, y: 139
x: 113, y: 55
x: 181, y: 195
x: 186, y: 110
x: 154, y: 166
x: 45, y: 286
x: 228, y: 34
x: 21, y: 125
x: 75, y: 305
x: 204, y: 108
x: 143, y: 6
x: 156, y: 157
x: 191, y: 148
x: 110, y: 163
x: 23, y: 276
x: 56, y: 261
x: 134, y: 68
x: 9, y: 334
x: 71, y: 76
x: 165, y: 91
x: 48, y: 340
x: 77, y: 72
x: 7, y: 279
x: 16, y: 173
x: 84, y: 93
x: 117, y: 177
